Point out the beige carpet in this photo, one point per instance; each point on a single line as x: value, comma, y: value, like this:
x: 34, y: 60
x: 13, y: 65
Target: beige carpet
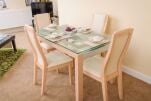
x: 16, y: 85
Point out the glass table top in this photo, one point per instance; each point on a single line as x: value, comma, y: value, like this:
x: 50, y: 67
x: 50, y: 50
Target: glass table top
x: 77, y: 42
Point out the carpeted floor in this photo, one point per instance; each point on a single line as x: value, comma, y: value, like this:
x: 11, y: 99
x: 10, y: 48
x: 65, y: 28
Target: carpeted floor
x: 16, y: 84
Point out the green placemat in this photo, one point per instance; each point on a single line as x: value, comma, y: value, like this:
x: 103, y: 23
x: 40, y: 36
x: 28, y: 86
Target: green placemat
x: 7, y: 58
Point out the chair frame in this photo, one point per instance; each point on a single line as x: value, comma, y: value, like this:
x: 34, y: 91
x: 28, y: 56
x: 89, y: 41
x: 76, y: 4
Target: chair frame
x: 105, y: 23
x: 104, y: 29
x: 37, y: 27
x: 105, y: 78
x: 36, y: 20
x: 45, y: 64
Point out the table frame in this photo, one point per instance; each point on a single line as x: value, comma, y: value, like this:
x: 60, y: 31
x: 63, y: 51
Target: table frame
x: 12, y: 39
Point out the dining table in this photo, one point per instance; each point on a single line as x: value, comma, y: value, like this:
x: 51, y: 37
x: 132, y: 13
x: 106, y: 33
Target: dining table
x: 78, y: 44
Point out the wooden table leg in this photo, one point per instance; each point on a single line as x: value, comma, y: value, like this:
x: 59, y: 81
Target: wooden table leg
x: 14, y: 45
x: 79, y: 78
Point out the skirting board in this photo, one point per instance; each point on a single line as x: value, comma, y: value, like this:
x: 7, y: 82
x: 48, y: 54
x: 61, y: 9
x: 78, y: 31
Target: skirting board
x: 137, y: 74
x: 13, y: 30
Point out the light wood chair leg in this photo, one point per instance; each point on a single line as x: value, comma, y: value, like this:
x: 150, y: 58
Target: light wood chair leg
x: 104, y: 89
x: 112, y: 81
x: 103, y: 54
x: 70, y: 74
x: 44, y: 77
x: 57, y: 70
x: 44, y: 50
x: 120, y: 85
x: 47, y: 51
x: 35, y: 73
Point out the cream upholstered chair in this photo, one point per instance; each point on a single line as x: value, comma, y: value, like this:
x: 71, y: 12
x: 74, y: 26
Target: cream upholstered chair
x: 46, y: 62
x: 42, y: 20
x: 104, y: 70
x: 99, y: 23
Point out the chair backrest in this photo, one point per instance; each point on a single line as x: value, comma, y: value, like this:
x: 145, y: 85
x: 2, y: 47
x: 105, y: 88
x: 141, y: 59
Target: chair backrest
x: 99, y: 23
x: 42, y: 20
x: 117, y: 50
x: 37, y: 50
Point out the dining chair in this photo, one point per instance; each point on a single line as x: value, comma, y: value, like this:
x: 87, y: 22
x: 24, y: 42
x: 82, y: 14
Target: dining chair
x: 99, y: 23
x: 99, y: 26
x: 110, y: 67
x: 46, y: 62
x: 43, y: 20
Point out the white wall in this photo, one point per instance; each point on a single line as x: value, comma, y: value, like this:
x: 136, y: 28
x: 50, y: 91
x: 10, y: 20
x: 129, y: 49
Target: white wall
x: 55, y: 6
x: 18, y: 4
x: 15, y: 4
x: 16, y: 15
x: 123, y: 13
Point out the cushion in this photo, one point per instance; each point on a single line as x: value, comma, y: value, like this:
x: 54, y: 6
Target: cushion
x: 93, y: 65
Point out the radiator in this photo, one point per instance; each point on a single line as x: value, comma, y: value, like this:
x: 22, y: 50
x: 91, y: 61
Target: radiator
x: 10, y: 18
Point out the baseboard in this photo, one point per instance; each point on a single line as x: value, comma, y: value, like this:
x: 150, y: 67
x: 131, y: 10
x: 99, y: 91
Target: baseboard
x: 137, y: 74
x: 13, y: 30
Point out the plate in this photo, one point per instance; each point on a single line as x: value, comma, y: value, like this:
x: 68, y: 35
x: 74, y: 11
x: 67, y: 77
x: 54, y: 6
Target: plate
x: 96, y: 39
x: 49, y: 29
x: 87, y: 32
x: 84, y: 30
x: 52, y: 26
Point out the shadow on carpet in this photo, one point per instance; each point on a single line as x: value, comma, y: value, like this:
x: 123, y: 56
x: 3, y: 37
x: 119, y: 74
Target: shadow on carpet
x: 7, y: 58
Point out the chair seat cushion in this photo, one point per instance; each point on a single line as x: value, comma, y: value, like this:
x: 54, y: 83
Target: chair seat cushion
x: 93, y: 66
x: 56, y: 58
x: 45, y: 46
